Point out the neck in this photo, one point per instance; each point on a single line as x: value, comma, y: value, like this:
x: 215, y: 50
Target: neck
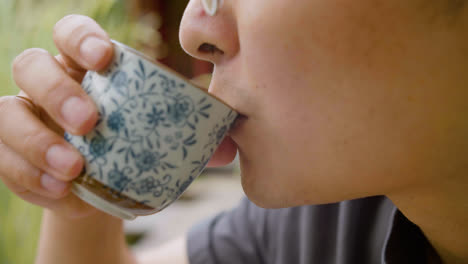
x: 441, y: 211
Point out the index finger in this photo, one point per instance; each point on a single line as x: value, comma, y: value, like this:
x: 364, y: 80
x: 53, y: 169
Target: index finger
x: 82, y: 43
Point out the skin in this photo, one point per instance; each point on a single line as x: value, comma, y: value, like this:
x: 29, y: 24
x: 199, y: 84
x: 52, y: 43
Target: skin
x: 348, y: 104
x: 346, y: 99
x: 341, y: 100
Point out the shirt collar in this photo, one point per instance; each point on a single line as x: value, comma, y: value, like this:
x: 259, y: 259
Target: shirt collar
x: 406, y: 243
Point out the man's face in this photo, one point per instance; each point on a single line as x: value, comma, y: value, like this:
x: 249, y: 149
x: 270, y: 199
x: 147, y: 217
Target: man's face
x: 343, y: 98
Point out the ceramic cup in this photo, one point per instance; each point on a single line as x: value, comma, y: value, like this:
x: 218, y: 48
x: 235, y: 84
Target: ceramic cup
x: 155, y: 134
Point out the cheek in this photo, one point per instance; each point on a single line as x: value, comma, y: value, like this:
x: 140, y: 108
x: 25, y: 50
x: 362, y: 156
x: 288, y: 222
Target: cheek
x: 332, y: 105
x: 313, y: 44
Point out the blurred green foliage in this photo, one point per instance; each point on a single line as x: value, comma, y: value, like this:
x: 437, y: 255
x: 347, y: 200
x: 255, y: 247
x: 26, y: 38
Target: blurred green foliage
x: 25, y: 24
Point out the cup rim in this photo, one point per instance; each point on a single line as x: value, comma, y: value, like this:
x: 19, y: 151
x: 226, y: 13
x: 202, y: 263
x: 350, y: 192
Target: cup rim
x: 168, y: 69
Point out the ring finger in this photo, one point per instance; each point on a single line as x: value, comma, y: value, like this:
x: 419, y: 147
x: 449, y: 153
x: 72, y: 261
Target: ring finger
x: 36, y: 143
x: 15, y: 169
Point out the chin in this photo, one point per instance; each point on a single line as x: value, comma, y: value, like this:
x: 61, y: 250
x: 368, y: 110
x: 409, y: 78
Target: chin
x: 263, y: 200
x: 266, y: 192
x: 268, y: 187
x: 274, y: 198
x: 262, y: 193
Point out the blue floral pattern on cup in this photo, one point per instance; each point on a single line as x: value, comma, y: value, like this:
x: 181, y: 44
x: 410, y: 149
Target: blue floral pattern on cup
x: 155, y: 133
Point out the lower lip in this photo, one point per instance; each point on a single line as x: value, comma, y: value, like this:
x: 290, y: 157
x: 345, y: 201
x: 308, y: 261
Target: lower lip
x: 237, y: 124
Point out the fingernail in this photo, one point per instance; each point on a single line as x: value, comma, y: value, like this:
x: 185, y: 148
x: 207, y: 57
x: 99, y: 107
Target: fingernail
x: 64, y: 160
x: 76, y: 111
x: 51, y: 184
x: 93, y: 50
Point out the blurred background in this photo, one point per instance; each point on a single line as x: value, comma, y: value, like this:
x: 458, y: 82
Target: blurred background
x: 149, y: 26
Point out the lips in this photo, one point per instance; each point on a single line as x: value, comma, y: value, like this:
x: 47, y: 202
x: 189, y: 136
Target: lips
x: 227, y: 150
x: 238, y: 123
x: 224, y: 154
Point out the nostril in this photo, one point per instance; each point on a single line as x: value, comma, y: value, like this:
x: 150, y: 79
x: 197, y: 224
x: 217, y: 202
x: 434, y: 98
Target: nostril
x: 209, y: 48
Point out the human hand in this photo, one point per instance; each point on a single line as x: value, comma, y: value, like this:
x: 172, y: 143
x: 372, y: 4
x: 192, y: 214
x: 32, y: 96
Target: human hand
x: 36, y: 163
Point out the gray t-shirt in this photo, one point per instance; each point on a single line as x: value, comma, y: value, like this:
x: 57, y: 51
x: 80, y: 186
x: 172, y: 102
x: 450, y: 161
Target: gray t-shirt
x: 368, y: 230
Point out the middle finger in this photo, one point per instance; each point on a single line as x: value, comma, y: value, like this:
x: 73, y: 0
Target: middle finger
x: 13, y: 168
x: 26, y: 135
x: 42, y: 77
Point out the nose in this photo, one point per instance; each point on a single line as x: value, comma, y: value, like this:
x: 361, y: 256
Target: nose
x: 209, y: 38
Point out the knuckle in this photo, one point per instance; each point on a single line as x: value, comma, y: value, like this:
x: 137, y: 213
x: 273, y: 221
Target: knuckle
x: 20, y: 190
x: 64, y: 24
x: 26, y: 178
x: 31, y: 197
x: 14, y: 187
x: 54, y: 88
x: 82, y: 31
x: 72, y: 29
x: 3, y: 147
x: 6, y: 103
x: 19, y: 177
x: 36, y: 142
x: 25, y: 59
x: 4, y: 100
